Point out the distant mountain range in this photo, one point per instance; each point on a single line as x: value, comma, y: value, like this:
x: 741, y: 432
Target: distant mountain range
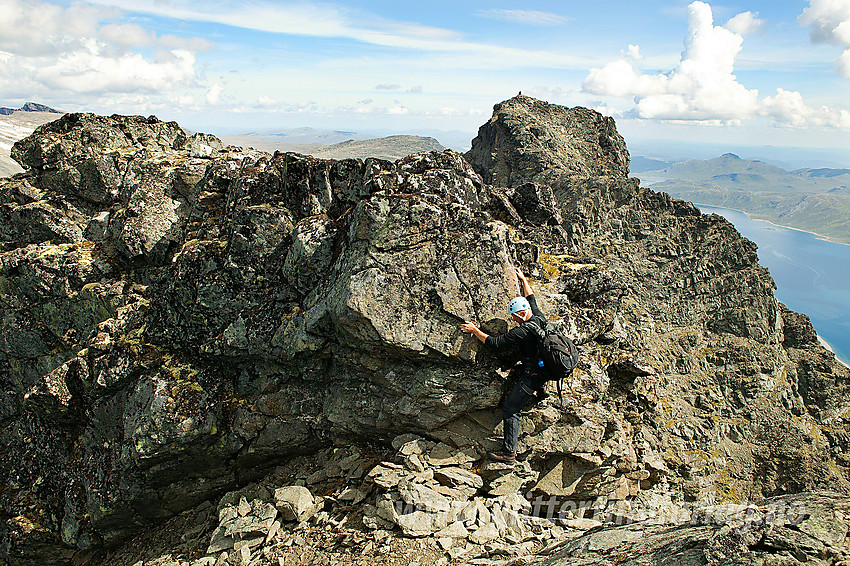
x: 295, y: 139
x: 29, y: 107
x: 335, y: 144
x: 390, y: 147
x: 816, y: 200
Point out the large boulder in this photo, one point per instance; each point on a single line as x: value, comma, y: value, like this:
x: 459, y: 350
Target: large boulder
x: 531, y: 140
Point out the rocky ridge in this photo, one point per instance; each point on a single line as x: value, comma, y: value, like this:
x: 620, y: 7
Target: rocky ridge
x: 181, y: 319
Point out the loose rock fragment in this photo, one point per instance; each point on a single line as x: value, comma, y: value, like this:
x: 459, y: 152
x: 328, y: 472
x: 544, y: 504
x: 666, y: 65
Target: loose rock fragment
x: 295, y: 503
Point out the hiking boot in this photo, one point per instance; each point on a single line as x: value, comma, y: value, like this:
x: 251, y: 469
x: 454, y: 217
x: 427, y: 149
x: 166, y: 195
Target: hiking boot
x: 502, y: 456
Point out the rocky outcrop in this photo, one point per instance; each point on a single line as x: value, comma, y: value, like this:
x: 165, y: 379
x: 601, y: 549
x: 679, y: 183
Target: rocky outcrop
x: 781, y: 530
x: 529, y: 140
x: 180, y: 318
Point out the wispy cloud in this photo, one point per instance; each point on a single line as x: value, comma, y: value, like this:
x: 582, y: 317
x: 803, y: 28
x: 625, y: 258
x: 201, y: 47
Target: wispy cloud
x: 527, y: 17
x: 327, y: 21
x: 297, y: 19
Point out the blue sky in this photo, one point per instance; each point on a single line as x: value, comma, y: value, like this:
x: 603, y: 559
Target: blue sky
x: 754, y: 73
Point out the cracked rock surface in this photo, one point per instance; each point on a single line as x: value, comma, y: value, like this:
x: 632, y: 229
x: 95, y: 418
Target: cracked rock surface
x: 181, y: 320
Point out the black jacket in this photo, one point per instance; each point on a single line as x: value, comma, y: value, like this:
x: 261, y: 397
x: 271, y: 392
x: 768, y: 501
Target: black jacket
x: 523, y: 337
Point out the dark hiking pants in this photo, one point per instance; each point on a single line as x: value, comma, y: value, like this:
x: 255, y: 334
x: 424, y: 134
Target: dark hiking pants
x: 512, y: 409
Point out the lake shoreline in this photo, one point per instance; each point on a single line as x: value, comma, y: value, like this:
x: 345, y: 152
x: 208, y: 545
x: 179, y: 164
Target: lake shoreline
x: 827, y: 345
x: 648, y: 182
x: 812, y: 276
x: 751, y: 217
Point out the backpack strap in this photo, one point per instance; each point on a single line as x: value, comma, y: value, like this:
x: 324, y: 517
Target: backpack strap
x: 539, y: 328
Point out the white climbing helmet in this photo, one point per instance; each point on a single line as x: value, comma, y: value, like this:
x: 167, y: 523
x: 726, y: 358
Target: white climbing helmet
x: 518, y: 304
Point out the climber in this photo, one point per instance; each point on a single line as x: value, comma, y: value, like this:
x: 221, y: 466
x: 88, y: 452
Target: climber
x: 532, y: 381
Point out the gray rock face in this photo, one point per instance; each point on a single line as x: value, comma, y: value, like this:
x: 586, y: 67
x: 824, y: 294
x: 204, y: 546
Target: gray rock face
x: 531, y: 140
x: 178, y: 318
x: 781, y: 530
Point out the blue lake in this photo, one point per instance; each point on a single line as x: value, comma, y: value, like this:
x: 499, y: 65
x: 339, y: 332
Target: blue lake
x: 812, y: 275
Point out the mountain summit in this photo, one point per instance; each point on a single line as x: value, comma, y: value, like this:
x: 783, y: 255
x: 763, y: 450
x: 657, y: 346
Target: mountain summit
x: 531, y: 140
x: 256, y: 359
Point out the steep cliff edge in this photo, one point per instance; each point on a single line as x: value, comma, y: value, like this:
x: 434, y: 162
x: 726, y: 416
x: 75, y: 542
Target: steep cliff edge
x: 179, y: 319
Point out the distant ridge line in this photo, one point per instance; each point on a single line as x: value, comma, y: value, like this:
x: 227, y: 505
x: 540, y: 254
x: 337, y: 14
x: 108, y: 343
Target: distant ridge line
x: 29, y: 107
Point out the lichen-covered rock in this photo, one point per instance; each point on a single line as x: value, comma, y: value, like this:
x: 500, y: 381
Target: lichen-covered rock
x: 83, y: 155
x: 179, y: 318
x: 532, y: 140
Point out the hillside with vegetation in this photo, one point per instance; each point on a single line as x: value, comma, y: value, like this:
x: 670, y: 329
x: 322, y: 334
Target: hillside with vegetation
x: 816, y: 200
x: 336, y: 144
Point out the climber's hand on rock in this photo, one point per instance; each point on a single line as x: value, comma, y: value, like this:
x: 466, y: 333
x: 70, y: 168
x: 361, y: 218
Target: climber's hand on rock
x: 526, y: 287
x: 470, y: 328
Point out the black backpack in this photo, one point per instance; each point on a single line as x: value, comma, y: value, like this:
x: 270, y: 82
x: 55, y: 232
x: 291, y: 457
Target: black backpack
x: 557, y: 352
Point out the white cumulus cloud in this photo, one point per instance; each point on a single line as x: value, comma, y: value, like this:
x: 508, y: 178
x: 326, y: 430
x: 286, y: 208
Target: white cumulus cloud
x: 127, y: 35
x: 790, y: 108
x: 265, y: 102
x: 49, y: 49
x: 842, y: 65
x: 703, y: 87
x: 745, y: 23
x: 86, y: 71
x: 830, y: 23
x: 214, y: 94
x: 34, y: 28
